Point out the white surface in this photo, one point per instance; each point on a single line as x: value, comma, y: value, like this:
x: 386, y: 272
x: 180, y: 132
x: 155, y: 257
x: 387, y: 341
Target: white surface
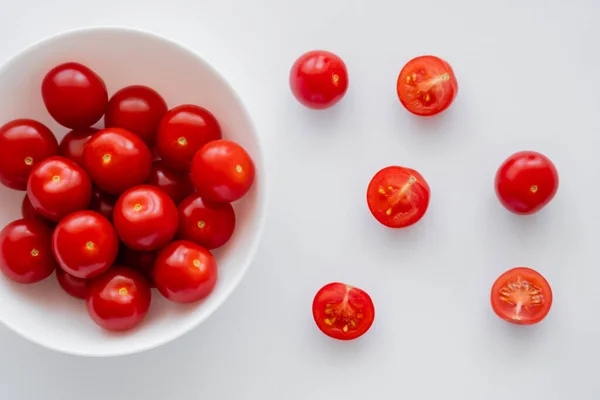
x: 527, y: 72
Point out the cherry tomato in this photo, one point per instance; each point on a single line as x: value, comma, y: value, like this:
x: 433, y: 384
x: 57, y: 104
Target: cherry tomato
x: 76, y: 287
x: 26, y: 251
x: 398, y: 197
x: 138, y: 109
x: 319, y: 79
x: 145, y: 218
x: 119, y: 299
x: 526, y: 182
x: 29, y: 212
x: 343, y: 312
x: 205, y: 223
x: 521, y: 296
x: 182, y: 131
x: 74, y: 95
x: 426, y: 85
x: 57, y: 187
x: 141, y: 261
x: 185, y: 272
x: 103, y: 202
x: 222, y: 171
x: 175, y: 183
x: 117, y: 160
x: 72, y: 145
x: 24, y: 143
x: 85, y: 244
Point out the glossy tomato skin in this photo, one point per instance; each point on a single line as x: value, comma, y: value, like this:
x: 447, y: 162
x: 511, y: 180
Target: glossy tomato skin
x: 85, y: 244
x: 176, y: 184
x: 145, y: 218
x: 138, y: 109
x: 29, y: 212
x: 205, y: 223
x: 74, y: 95
x: 427, y: 85
x: 182, y: 131
x: 26, y: 251
x: 141, y: 261
x: 342, y: 311
x: 119, y: 299
x: 73, y: 144
x: 74, y: 286
x: 398, y: 197
x: 57, y: 187
x: 526, y: 182
x: 319, y: 79
x: 222, y: 171
x: 103, y: 203
x: 521, y: 296
x: 24, y: 143
x: 117, y: 160
x: 185, y: 272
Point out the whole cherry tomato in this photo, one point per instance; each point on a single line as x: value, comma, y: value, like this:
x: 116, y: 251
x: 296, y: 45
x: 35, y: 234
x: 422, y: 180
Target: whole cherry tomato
x: 145, y: 218
x: 319, y: 79
x: 185, y: 272
x: 24, y: 143
x: 175, y: 183
x: 76, y: 287
x: 222, y: 171
x: 205, y: 223
x: 73, y: 144
x: 426, y: 85
x: 85, y: 244
x: 141, y: 261
x: 103, y: 202
x: 182, y: 131
x: 57, y: 187
x: 26, y: 251
x: 138, y: 109
x: 117, y: 160
x: 119, y: 299
x: 74, y: 95
x: 29, y: 212
x: 526, y: 182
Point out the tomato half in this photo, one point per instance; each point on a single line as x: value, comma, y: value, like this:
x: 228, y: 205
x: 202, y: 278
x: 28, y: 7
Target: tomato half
x: 426, y: 85
x: 74, y: 286
x: 342, y: 311
x: 526, y: 182
x: 521, y: 296
x: 204, y: 222
x: 72, y: 145
x: 398, y: 197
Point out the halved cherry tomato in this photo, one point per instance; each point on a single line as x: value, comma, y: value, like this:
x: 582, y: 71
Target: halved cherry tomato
x: 176, y: 184
x: 521, y: 296
x: 72, y: 145
x: 76, y: 287
x: 526, y: 182
x: 342, y: 311
x: 426, y: 85
x: 398, y: 197
x: 206, y: 223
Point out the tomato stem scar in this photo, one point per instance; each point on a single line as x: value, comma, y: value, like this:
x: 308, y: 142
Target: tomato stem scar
x: 106, y: 158
x: 55, y: 178
x: 196, y: 263
x: 533, y: 188
x: 28, y: 160
x: 238, y: 168
x: 182, y: 141
x: 89, y: 245
x: 137, y: 207
x: 122, y: 291
x: 201, y: 224
x: 35, y: 252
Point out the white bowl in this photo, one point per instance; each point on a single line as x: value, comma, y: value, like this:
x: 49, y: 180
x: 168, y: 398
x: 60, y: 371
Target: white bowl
x: 42, y: 312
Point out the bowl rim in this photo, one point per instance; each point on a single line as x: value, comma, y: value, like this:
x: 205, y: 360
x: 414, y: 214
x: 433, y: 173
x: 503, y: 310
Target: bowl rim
x: 261, y: 196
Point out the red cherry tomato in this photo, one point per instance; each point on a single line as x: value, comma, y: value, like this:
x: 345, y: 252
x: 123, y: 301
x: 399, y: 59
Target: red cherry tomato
x: 145, y: 218
x: 222, y: 171
x: 141, y: 261
x: 26, y: 251
x: 119, y: 299
x: 103, y: 203
x: 57, y: 187
x: 138, y: 109
x: 76, y: 287
x: 426, y: 85
x: 85, y: 244
x: 175, y: 183
x: 117, y: 160
x: 526, y: 182
x: 72, y: 145
x: 205, y: 223
x: 24, y: 143
x: 343, y: 312
x: 185, y: 272
x: 521, y: 296
x: 74, y: 95
x: 319, y: 79
x: 29, y: 212
x: 182, y: 131
x: 398, y: 197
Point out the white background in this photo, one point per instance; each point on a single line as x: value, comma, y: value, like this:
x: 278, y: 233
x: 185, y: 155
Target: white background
x: 529, y: 77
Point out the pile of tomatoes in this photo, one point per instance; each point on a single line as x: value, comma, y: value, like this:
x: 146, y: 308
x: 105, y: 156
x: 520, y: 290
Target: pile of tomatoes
x: 116, y: 211
x: 398, y: 196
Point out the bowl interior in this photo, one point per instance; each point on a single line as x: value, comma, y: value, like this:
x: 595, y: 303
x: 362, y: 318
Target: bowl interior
x: 42, y: 312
